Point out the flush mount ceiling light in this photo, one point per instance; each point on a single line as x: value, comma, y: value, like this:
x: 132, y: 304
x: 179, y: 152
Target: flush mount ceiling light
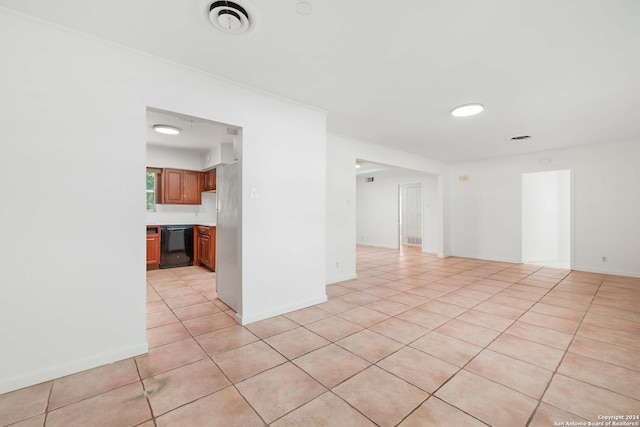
x: 166, y: 129
x: 303, y: 7
x: 231, y: 17
x: 467, y: 110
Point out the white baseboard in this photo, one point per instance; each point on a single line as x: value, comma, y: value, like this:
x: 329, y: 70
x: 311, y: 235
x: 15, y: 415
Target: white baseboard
x: 378, y: 245
x: 606, y: 271
x: 250, y: 318
x: 52, y: 372
x: 342, y: 278
x: 530, y: 260
x: 486, y: 258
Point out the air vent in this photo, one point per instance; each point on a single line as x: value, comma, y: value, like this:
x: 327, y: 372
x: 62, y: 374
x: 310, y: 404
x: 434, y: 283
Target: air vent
x: 520, y: 137
x: 231, y: 17
x: 369, y: 179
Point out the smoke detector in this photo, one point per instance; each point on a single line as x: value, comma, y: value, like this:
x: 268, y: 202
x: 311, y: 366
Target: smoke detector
x: 303, y: 7
x: 231, y: 17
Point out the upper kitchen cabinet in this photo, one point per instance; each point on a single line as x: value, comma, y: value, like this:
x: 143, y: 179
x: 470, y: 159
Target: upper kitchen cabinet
x: 210, y: 180
x: 181, y: 187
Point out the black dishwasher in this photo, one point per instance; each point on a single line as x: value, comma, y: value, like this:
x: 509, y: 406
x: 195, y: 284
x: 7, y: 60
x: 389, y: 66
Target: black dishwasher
x: 176, y: 246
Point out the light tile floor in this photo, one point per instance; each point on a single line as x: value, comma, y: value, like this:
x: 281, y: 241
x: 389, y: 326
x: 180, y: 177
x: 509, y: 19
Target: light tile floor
x: 414, y: 341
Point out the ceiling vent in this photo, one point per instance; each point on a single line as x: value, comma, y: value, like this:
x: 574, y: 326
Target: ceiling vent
x: 231, y: 17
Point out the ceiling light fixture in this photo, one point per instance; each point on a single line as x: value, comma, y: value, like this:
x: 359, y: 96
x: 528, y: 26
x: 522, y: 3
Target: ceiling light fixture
x: 166, y: 129
x: 358, y: 165
x: 303, y: 7
x: 467, y: 110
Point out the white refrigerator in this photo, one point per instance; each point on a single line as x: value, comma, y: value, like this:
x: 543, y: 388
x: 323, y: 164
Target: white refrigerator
x: 228, y: 235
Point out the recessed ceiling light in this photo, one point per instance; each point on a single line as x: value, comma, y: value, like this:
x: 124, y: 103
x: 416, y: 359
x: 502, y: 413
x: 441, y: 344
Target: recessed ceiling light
x: 358, y: 165
x: 166, y: 129
x: 467, y: 110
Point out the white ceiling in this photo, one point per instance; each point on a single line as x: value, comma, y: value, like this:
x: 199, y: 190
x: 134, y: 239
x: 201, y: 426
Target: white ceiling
x: 197, y: 134
x: 566, y: 72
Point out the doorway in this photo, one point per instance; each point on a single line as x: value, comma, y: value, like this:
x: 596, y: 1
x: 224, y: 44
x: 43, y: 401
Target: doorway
x: 203, y: 155
x: 546, y: 218
x: 410, y: 214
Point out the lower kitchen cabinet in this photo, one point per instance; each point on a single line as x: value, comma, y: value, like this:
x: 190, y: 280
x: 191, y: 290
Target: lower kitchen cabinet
x: 206, y: 246
x: 153, y: 247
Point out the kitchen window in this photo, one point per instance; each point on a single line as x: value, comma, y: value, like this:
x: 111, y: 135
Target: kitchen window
x: 153, y: 175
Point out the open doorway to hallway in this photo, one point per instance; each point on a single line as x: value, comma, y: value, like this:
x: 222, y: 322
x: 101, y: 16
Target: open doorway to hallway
x: 398, y: 207
x: 546, y: 218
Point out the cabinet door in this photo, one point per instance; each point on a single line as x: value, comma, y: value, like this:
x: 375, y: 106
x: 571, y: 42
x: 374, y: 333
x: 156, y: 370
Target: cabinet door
x: 153, y: 249
x: 173, y: 186
x: 209, y: 180
x: 192, y: 188
x: 203, y: 249
x: 212, y: 178
x: 206, y: 186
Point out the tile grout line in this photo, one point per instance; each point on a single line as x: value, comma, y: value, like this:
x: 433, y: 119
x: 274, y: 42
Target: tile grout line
x: 566, y: 350
x: 46, y: 408
x: 144, y: 390
x: 555, y: 372
x: 336, y: 315
x: 477, y: 354
x: 234, y: 384
x: 432, y: 394
x: 371, y: 364
x: 408, y: 345
x: 208, y: 356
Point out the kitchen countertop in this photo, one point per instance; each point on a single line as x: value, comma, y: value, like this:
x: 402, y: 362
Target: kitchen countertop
x: 205, y: 223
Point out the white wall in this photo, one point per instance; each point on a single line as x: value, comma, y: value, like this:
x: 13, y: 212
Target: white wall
x: 377, y: 208
x: 66, y: 305
x: 222, y: 153
x: 376, y: 211
x: 486, y: 210
x: 283, y: 157
x: 169, y: 157
x: 203, y: 214
x: 342, y: 153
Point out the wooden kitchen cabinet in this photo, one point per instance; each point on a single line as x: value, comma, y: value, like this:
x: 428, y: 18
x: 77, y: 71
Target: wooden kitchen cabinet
x: 153, y: 247
x: 181, y: 187
x: 192, y: 188
x: 206, y: 246
x: 204, y: 243
x: 210, y: 180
